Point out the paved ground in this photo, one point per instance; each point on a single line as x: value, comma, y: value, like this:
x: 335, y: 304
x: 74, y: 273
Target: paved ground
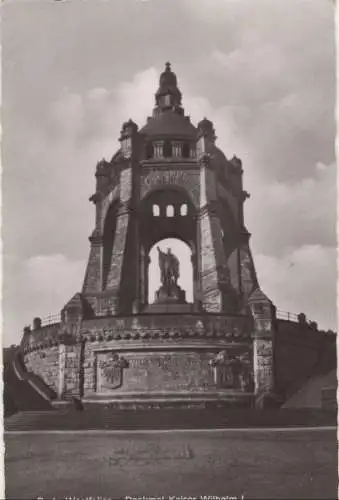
x: 255, y: 464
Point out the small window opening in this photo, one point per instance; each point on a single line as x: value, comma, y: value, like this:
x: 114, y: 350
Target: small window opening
x: 156, y: 210
x: 170, y: 211
x: 183, y: 209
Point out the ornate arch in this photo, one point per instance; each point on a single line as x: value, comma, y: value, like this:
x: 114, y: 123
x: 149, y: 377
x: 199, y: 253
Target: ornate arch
x: 156, y: 179
x: 153, y: 228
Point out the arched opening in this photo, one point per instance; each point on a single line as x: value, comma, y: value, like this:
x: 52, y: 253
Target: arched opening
x: 183, y: 210
x: 167, y: 150
x: 184, y: 254
x: 156, y: 229
x: 186, y: 150
x: 156, y: 210
x: 149, y: 150
x: 170, y: 211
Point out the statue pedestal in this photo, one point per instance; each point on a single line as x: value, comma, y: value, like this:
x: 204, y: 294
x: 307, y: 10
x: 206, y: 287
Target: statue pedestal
x: 173, y: 295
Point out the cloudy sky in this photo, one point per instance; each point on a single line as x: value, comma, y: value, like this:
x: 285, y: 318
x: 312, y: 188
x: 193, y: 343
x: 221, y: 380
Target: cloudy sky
x: 73, y: 71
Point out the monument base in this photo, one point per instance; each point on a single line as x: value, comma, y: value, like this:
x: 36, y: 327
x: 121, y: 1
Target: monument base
x: 172, y: 295
x: 167, y: 401
x: 169, y: 308
x: 188, y: 360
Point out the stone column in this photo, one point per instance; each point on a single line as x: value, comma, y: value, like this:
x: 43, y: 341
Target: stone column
x: 263, y: 313
x: 158, y: 149
x: 119, y: 247
x: 193, y: 151
x: 144, y: 265
x: 213, y: 267
x: 93, y: 276
x: 177, y: 149
x: 62, y: 368
x: 123, y: 223
x: 89, y: 370
x: 72, y: 385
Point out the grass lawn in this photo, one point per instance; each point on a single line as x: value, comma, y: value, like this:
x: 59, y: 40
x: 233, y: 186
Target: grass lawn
x: 253, y: 464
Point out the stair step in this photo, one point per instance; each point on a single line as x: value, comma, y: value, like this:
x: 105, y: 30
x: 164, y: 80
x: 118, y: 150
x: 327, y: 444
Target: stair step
x: 19, y: 395
x: 157, y: 419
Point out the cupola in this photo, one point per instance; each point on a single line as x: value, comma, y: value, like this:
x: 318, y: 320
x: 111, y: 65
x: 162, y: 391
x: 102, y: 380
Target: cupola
x: 168, y: 96
x: 206, y: 129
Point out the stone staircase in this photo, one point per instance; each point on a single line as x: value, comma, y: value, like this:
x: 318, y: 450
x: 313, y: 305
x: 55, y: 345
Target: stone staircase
x: 19, y: 395
x: 319, y: 392
x: 98, y: 417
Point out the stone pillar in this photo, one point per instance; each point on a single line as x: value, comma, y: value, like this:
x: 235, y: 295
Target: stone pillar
x: 114, y: 277
x: 263, y: 313
x: 93, y: 276
x: 127, y: 138
x: 144, y: 265
x: 158, y: 149
x: 70, y: 348
x: 36, y: 323
x: 213, y: 269
x: 72, y: 387
x: 177, y: 149
x: 62, y: 367
x: 193, y: 151
x: 89, y: 370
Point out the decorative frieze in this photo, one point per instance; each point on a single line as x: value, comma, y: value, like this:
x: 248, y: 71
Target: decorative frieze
x: 158, y: 178
x: 142, y: 327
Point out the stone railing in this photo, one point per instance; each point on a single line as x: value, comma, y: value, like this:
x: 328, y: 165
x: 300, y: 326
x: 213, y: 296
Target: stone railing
x: 301, y: 319
x: 40, y: 338
x: 288, y: 316
x: 51, y: 319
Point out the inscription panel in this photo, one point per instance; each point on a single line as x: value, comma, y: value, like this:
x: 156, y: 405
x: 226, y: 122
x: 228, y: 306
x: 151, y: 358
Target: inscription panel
x: 158, y: 371
x: 164, y: 371
x: 158, y: 178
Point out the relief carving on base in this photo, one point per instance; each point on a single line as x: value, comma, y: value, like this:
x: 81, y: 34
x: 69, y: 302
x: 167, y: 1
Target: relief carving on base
x: 112, y: 371
x: 232, y: 371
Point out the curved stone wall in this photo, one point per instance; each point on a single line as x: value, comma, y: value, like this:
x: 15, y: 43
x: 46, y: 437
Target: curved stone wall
x: 146, y: 356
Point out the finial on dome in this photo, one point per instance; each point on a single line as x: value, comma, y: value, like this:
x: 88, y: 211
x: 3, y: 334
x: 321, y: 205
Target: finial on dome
x: 168, y: 96
x: 206, y: 129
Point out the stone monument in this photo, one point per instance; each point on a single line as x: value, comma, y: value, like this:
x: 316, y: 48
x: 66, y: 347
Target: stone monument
x: 167, y: 180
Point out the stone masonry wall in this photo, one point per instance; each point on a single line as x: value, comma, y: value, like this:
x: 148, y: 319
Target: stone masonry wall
x: 92, y: 278
x: 72, y: 370
x: 89, y: 369
x: 297, y: 351
x: 45, y: 364
x: 211, y: 295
